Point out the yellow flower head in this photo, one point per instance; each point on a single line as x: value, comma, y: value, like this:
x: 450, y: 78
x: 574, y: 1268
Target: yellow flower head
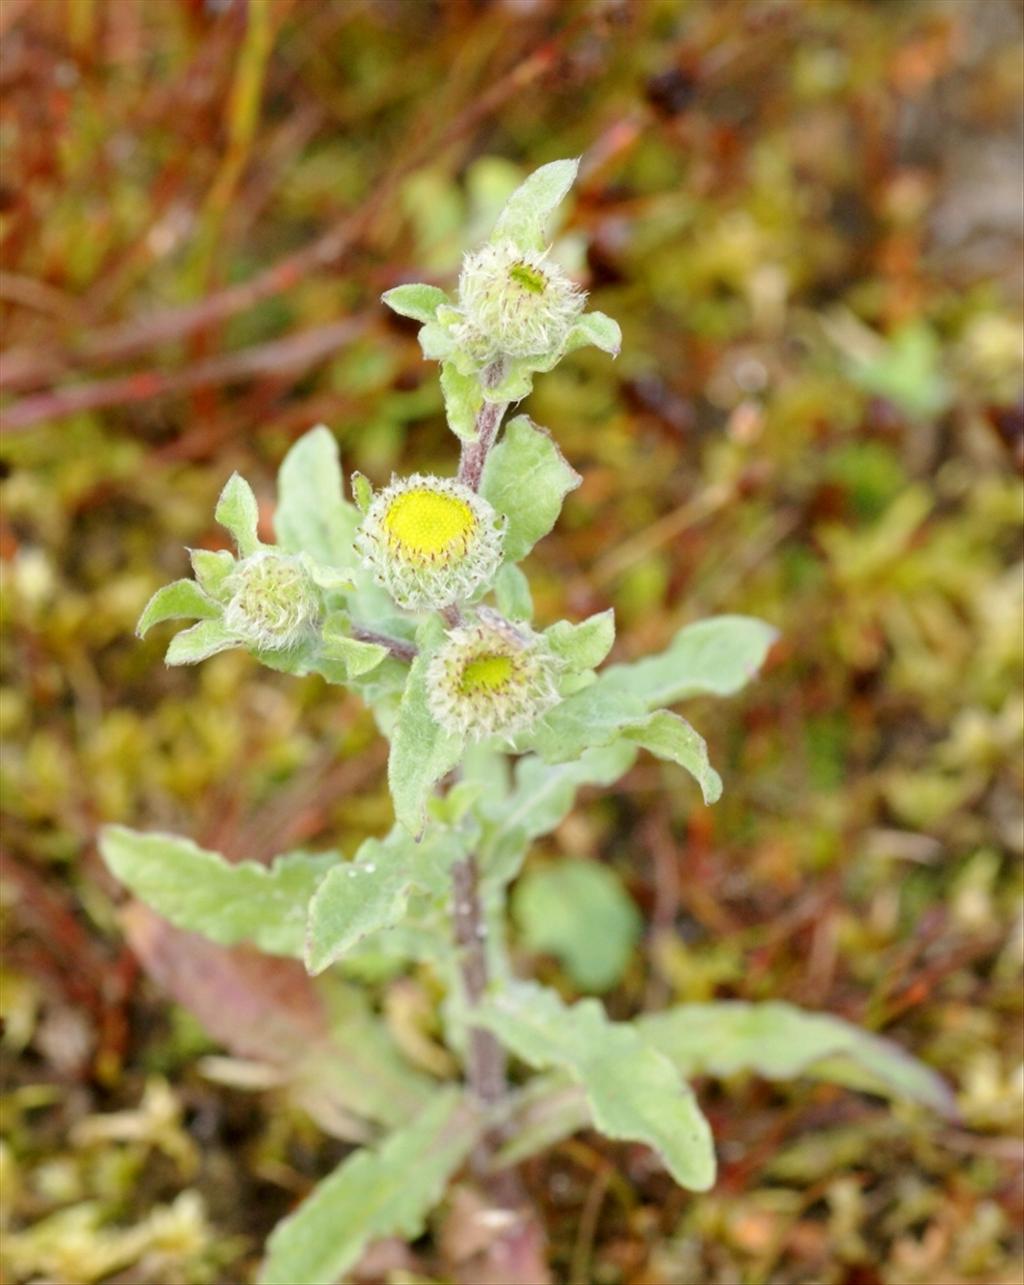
x: 430, y: 541
x: 491, y: 678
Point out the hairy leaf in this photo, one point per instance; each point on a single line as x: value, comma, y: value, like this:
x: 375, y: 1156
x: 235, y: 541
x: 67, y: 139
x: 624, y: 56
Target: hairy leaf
x: 180, y: 600
x: 597, y: 329
x: 715, y: 657
x: 633, y: 1092
x: 526, y: 214
x: 384, y: 1192
x: 512, y: 592
x: 238, y: 513
x: 211, y: 568
x: 225, y: 901
x: 415, y: 300
x: 201, y: 641
x: 463, y: 398
x: 592, y: 717
x: 312, y: 514
x: 583, y: 645
x: 672, y: 738
x: 527, y: 478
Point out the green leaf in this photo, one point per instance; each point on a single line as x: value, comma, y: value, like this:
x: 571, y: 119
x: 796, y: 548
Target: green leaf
x: 238, y: 512
x: 362, y: 492
x: 526, y: 214
x: 591, y: 717
x: 780, y: 1041
x: 436, y: 341
x: 228, y: 902
x: 634, y: 1093
x: 713, y: 657
x: 418, y: 301
x: 211, y: 568
x: 202, y: 640
x: 421, y: 753
x: 597, y: 329
x: 463, y: 398
x: 357, y: 657
x: 527, y: 478
x: 512, y: 591
x: 181, y: 600
x: 312, y: 515
x: 583, y: 645
x: 384, y: 1192
x: 579, y: 912
x: 672, y: 738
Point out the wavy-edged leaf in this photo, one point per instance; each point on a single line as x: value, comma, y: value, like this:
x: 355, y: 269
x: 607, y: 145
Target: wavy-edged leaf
x: 779, y: 1041
x: 528, y: 210
x: 589, y: 718
x: 312, y: 514
x: 198, y: 643
x: 415, y: 299
x: 226, y: 901
x: 634, y: 1093
x: 713, y: 657
x: 671, y: 737
x: 583, y: 645
x: 527, y: 477
x: 180, y: 600
x: 238, y: 512
x: 387, y: 1191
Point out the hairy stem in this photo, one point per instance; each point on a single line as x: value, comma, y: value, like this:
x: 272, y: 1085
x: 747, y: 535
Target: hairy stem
x: 488, y: 422
x: 485, y: 1063
x: 399, y: 649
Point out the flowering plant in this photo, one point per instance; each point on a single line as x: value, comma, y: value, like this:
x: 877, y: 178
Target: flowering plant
x: 413, y: 596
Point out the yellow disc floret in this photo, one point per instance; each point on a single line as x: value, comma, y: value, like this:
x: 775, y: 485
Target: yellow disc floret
x: 491, y: 678
x: 430, y: 541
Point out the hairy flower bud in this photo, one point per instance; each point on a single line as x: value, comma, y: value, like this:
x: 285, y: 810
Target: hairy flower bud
x: 273, y: 604
x: 491, y: 678
x: 514, y: 303
x: 430, y: 541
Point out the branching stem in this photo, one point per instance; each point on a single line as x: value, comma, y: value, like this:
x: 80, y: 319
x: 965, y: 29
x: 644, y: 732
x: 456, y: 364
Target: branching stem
x: 399, y: 649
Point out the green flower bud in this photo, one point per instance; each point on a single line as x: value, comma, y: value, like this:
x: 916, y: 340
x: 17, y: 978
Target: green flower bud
x: 514, y: 303
x: 430, y: 541
x: 491, y: 678
x: 274, y: 604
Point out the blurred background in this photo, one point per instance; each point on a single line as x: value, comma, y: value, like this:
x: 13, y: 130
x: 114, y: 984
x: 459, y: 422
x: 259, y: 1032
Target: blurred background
x: 807, y: 217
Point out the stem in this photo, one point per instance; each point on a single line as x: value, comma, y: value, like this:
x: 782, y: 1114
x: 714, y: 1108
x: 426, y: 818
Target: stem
x: 400, y: 650
x: 488, y: 421
x: 485, y: 1063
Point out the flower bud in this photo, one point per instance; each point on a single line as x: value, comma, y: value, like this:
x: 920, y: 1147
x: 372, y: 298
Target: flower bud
x: 514, y: 303
x: 491, y: 678
x: 430, y: 541
x: 274, y: 603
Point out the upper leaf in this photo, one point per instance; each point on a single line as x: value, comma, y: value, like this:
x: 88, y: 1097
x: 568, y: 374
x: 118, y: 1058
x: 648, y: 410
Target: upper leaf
x: 594, y: 716
x: 384, y: 1192
x: 716, y: 657
x: 633, y: 1092
x: 415, y: 300
x: 463, y: 398
x: 672, y: 738
x: 312, y: 514
x: 583, y: 645
x: 525, y: 217
x: 238, y: 512
x: 227, y: 902
x: 598, y: 329
x: 199, y: 643
x: 780, y: 1041
x: 527, y: 478
x: 180, y: 600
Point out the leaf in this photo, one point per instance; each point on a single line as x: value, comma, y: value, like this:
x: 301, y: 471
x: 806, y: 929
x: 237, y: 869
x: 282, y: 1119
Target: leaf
x: 211, y: 568
x: 362, y: 492
x: 583, y: 645
x: 715, y: 657
x: 578, y: 911
x: 202, y: 640
x: 312, y: 514
x: 418, y: 300
x: 356, y: 656
x: 672, y: 738
x: 591, y: 717
x: 384, y: 1192
x: 463, y: 398
x: 359, y: 897
x: 525, y: 217
x: 180, y: 600
x: 421, y: 752
x: 780, y: 1041
x: 633, y: 1092
x: 512, y: 592
x: 238, y: 513
x: 226, y: 901
x: 597, y: 329
x: 527, y: 478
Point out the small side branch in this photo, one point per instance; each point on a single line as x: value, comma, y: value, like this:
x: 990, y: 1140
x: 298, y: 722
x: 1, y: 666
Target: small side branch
x: 399, y: 649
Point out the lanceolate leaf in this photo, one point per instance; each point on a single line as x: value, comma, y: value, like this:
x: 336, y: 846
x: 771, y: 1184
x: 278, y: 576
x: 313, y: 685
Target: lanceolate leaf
x: 633, y: 1092
x: 201, y: 641
x: 527, y: 478
x: 779, y: 1041
x: 463, y: 398
x: 418, y: 301
x: 525, y: 217
x: 227, y: 902
x: 238, y: 513
x: 672, y: 738
x: 714, y: 657
x: 592, y: 717
x: 597, y: 329
x: 312, y: 515
x: 181, y: 600
x: 585, y: 645
x: 384, y: 1192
